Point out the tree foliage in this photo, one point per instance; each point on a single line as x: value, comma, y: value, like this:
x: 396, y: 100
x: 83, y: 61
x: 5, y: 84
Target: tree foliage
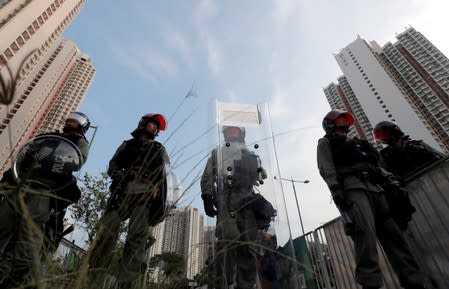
x: 172, y: 265
x: 89, y: 209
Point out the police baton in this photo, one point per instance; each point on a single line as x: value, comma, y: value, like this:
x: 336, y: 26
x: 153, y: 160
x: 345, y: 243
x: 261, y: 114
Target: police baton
x: 345, y: 216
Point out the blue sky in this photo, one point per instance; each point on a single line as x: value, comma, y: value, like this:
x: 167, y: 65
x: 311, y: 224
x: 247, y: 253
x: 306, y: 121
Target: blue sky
x: 148, y: 54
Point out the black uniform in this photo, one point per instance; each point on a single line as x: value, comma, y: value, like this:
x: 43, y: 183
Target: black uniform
x: 20, y: 242
x: 239, y: 212
x: 351, y: 166
x: 138, y: 192
x: 410, y: 158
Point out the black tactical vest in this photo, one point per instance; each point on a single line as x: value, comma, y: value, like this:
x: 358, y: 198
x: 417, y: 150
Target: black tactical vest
x: 347, y: 153
x: 144, y: 158
x: 414, y: 157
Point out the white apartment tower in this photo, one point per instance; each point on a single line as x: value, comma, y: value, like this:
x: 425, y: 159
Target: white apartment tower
x: 422, y: 71
x: 375, y: 94
x: 182, y: 232
x: 194, y: 252
x: 72, y: 94
x: 33, y: 28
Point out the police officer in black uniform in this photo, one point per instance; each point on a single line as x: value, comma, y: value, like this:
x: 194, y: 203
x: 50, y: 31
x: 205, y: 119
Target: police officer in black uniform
x: 138, y: 193
x: 240, y: 212
x: 47, y: 195
x: 351, y: 169
x: 403, y: 156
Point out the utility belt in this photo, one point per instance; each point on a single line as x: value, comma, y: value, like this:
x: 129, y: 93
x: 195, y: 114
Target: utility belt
x: 263, y: 210
x: 364, y: 176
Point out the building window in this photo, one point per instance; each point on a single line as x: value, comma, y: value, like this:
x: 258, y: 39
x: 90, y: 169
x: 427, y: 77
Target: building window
x: 384, y: 106
x: 373, y: 89
x: 53, y: 7
x: 31, y: 30
x: 44, y: 14
x: 41, y: 21
x: 2, y: 60
x: 49, y: 12
x: 376, y: 93
x: 20, y: 41
x: 390, y: 115
x: 25, y: 35
x: 8, y: 53
x: 35, y: 25
x: 14, y: 47
x: 370, y: 85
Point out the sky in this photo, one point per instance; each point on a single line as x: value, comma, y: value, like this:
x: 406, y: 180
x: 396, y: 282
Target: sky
x: 149, y: 54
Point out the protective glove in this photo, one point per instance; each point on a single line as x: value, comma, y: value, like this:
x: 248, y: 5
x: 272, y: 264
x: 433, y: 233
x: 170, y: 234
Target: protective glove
x: 209, y: 206
x: 339, y: 197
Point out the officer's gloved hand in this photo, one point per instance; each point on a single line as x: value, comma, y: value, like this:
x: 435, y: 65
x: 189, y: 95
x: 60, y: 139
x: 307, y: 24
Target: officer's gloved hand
x: 339, y: 197
x: 394, y: 186
x: 209, y: 205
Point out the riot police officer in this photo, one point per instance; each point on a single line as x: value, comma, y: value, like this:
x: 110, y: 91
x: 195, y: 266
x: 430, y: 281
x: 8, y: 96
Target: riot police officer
x: 351, y: 169
x: 229, y: 195
x: 138, y: 193
x: 403, y: 156
x: 37, y: 192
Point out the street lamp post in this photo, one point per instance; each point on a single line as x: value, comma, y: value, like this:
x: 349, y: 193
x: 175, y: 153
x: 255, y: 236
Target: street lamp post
x: 296, y: 198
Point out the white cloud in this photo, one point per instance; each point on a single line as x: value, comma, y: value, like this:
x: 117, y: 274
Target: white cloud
x: 178, y: 42
x: 284, y: 9
x: 203, y: 15
x: 149, y: 63
x: 158, y: 61
x: 130, y: 60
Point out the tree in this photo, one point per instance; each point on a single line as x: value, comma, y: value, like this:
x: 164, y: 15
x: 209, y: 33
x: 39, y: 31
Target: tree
x: 89, y: 209
x: 173, y: 266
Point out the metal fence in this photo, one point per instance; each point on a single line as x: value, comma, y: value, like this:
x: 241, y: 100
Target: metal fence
x: 331, y: 251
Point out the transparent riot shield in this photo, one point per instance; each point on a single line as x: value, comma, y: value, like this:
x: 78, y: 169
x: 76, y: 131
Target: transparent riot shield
x: 47, y: 160
x: 253, y: 231
x: 173, y: 188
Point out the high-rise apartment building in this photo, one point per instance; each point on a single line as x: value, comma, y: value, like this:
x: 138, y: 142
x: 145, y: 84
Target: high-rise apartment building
x: 72, y: 94
x: 209, y: 243
x: 422, y: 71
x: 406, y: 82
x: 182, y: 232
x: 341, y: 96
x: 175, y: 232
x: 195, y: 238
x: 31, y: 30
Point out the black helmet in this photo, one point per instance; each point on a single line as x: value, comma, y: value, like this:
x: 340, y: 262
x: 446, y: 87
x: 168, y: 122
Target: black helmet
x: 329, y: 124
x: 158, y: 118
x: 80, y: 118
x: 233, y: 138
x: 387, y: 131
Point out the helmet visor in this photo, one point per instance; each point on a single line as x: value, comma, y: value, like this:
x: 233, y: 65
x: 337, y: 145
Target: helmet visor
x: 383, y: 135
x: 78, y: 118
x: 232, y: 132
x: 158, y: 118
x: 342, y: 120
